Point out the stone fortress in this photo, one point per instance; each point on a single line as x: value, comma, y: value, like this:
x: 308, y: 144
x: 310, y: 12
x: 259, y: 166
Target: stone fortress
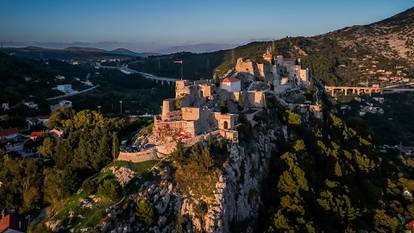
x: 203, y: 109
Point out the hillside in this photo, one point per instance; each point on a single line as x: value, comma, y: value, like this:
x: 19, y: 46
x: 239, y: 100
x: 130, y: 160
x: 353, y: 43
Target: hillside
x: 82, y: 54
x: 23, y: 79
x: 345, y: 56
x: 393, y: 38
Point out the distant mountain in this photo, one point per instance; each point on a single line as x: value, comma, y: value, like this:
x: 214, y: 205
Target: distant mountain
x: 85, y: 49
x: 127, y: 52
x: 196, y: 48
x: 85, y: 54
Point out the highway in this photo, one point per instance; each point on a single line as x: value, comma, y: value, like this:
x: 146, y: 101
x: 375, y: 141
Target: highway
x: 396, y: 90
x: 126, y: 70
x: 73, y: 93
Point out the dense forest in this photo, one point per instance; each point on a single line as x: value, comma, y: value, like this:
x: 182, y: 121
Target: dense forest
x: 333, y: 180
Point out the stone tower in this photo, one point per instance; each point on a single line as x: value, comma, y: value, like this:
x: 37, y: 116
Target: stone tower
x: 167, y: 107
x: 268, y: 56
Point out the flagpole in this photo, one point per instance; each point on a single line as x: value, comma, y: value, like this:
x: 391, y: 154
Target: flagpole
x: 181, y: 62
x: 182, y: 69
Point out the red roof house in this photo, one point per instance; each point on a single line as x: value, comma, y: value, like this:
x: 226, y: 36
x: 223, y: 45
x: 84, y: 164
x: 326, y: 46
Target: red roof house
x: 231, y: 84
x: 37, y: 134
x: 8, y: 133
x: 410, y: 225
x: 13, y: 223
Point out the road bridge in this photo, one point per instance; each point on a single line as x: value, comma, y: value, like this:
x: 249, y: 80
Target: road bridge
x: 347, y: 90
x: 126, y: 70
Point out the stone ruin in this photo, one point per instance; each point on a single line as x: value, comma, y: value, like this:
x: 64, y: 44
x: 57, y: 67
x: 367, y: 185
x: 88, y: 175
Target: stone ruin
x: 197, y: 113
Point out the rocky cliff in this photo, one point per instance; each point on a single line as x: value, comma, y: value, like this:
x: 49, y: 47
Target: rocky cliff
x: 234, y: 205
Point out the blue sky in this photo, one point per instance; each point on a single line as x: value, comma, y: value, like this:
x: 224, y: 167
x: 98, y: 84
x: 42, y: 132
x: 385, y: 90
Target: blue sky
x: 145, y: 25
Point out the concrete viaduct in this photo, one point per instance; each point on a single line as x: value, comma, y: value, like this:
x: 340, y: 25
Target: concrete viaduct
x: 127, y: 70
x: 333, y: 90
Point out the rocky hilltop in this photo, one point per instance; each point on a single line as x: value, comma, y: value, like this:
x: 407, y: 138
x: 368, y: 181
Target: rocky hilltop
x: 393, y: 38
x: 288, y: 164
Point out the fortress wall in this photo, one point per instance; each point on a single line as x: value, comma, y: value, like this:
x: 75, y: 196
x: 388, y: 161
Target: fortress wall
x: 206, y: 90
x: 190, y: 113
x: 138, y: 157
x: 245, y: 67
x: 261, y: 69
x: 231, y: 135
x: 225, y: 119
x: 168, y: 128
x: 304, y: 74
x: 256, y: 99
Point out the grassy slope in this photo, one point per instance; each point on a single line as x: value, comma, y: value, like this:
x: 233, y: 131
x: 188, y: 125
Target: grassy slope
x: 90, y: 217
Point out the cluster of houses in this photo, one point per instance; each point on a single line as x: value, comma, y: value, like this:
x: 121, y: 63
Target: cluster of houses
x: 66, y: 89
x: 371, y: 69
x: 205, y: 108
x: 24, y: 144
x: 365, y: 105
x: 34, y: 106
x: 403, y: 150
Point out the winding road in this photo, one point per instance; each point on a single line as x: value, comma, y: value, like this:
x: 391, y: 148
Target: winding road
x: 73, y: 93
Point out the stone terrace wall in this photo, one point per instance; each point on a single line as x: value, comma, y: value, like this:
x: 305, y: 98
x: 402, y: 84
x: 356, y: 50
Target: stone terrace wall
x: 138, y: 157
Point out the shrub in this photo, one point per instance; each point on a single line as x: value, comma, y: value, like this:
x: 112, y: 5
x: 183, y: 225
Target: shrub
x: 293, y: 118
x: 145, y: 211
x: 201, y: 209
x: 89, y: 186
x: 109, y: 188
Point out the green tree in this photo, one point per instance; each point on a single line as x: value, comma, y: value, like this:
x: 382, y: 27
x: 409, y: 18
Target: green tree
x: 385, y: 223
x: 109, y: 188
x: 58, y: 184
x: 47, y: 149
x: 59, y: 117
x: 115, y: 145
x: 293, y: 118
x: 145, y: 211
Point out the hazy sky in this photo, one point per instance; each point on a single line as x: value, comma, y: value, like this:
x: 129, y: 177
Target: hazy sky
x: 145, y: 25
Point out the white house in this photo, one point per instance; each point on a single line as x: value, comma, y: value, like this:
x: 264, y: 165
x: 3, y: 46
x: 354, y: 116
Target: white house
x: 60, y: 77
x: 65, y: 88
x: 5, y: 106
x: 31, y: 105
x: 37, y: 120
x: 61, y: 104
x: 231, y: 84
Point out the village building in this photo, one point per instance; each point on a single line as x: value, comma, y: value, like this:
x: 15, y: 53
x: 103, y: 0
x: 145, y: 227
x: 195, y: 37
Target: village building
x: 65, y: 88
x: 61, y: 104
x: 5, y: 106
x: 13, y: 146
x: 38, y: 134
x: 37, y: 121
x: 60, y: 77
x: 231, y: 84
x: 7, y: 134
x: 57, y: 132
x: 31, y: 105
x: 12, y: 223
